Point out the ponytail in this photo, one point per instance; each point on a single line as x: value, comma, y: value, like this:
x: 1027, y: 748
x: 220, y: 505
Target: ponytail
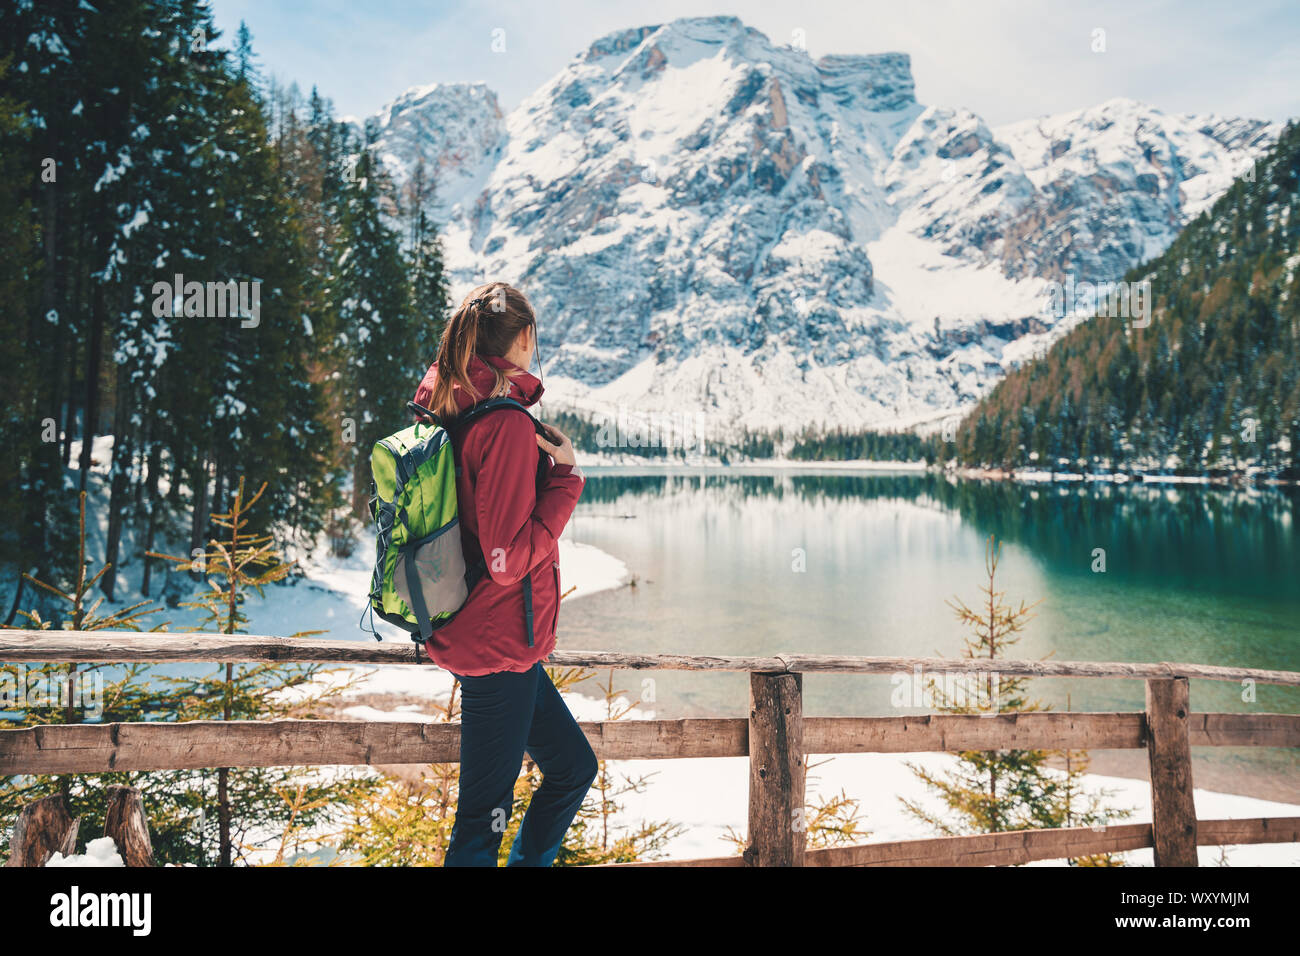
x: 458, y: 342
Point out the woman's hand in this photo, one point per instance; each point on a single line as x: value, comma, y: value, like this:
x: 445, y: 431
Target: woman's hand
x: 559, y: 448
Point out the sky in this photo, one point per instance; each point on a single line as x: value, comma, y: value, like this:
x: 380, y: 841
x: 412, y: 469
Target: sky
x: 1004, y: 59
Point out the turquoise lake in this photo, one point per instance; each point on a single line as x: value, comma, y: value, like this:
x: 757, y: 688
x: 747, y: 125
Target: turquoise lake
x: 1192, y: 574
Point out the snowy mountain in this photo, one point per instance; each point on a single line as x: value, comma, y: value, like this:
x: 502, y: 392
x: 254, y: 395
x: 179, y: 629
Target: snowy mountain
x: 457, y: 129
x: 707, y: 221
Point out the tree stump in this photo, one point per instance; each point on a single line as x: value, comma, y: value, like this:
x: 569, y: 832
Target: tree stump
x: 126, y: 823
x: 42, y: 828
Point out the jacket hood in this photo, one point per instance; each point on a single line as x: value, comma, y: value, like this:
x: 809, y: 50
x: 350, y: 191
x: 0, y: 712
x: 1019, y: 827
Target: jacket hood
x: 525, y: 387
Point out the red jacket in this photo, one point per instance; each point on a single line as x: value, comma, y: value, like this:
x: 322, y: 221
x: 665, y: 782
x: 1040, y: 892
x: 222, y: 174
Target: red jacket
x: 517, y: 522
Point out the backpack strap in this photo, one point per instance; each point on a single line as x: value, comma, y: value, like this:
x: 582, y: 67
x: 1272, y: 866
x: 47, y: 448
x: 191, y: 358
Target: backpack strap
x: 528, y: 606
x: 417, y: 597
x: 479, y: 408
x: 422, y: 413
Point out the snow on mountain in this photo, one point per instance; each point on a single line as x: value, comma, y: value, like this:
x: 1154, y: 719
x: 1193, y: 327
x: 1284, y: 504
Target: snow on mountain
x: 458, y: 129
x: 1118, y: 181
x: 709, y: 222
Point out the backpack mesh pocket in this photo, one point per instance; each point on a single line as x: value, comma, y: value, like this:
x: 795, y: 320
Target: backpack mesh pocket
x: 436, y: 566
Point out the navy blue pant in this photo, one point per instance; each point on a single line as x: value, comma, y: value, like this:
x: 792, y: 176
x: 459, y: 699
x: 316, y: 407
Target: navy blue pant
x: 502, y: 715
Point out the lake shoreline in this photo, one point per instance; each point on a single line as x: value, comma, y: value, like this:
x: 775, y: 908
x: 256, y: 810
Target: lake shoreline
x: 1206, y: 775
x: 1028, y: 476
x: 1237, y: 480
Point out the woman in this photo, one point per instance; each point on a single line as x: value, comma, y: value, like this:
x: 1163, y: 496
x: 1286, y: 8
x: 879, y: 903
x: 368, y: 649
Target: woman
x: 514, y: 502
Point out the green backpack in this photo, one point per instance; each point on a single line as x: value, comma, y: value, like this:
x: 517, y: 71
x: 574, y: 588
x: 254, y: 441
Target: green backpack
x: 421, y: 578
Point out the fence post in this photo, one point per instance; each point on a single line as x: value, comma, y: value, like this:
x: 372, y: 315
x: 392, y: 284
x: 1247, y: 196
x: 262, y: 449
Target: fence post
x: 777, y: 830
x: 1169, y: 750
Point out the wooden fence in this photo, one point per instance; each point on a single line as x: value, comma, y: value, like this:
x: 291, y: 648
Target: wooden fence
x: 775, y: 735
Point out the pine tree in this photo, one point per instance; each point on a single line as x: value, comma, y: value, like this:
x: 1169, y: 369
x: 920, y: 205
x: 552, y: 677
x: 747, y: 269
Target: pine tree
x: 153, y: 160
x: 20, y: 431
x: 234, y: 566
x: 163, y: 199
x: 267, y: 415
x: 1001, y: 790
x: 429, y: 305
x: 380, y: 348
x: 69, y: 132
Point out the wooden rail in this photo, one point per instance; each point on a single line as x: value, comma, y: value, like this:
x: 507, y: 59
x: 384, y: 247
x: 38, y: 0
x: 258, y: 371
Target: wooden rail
x: 126, y: 647
x: 775, y: 736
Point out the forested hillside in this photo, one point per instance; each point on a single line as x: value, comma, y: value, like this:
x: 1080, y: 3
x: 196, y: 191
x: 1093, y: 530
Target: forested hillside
x: 145, y: 163
x: 1211, y: 384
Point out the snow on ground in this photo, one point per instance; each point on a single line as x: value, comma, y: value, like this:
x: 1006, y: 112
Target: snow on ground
x: 589, y: 569
x: 879, y: 780
x: 917, y: 282
x: 99, y: 852
x: 332, y: 595
x: 101, y: 455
